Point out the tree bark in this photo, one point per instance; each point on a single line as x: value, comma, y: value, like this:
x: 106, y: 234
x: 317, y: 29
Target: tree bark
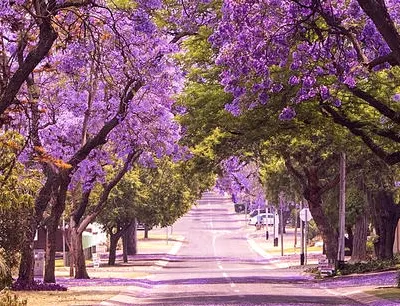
x: 385, y: 216
x: 113, y: 249
x: 79, y: 256
x: 377, y: 11
x: 47, y: 36
x: 124, y: 249
x: 26, y: 266
x: 131, y: 238
x: 146, y: 231
x: 312, y: 193
x: 49, y: 268
x: 359, y: 252
x: 52, y: 226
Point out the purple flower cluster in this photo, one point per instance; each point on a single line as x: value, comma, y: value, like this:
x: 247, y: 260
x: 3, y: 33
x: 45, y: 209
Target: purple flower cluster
x: 288, y: 113
x: 37, y: 286
x: 315, y: 63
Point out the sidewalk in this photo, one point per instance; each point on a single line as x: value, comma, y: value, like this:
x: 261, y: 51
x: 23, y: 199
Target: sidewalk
x: 352, y: 286
x: 291, y: 252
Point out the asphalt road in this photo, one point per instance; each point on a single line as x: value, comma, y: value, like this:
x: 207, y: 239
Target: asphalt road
x: 216, y: 266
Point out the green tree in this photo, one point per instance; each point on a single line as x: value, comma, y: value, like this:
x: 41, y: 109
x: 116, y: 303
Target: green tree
x: 18, y: 186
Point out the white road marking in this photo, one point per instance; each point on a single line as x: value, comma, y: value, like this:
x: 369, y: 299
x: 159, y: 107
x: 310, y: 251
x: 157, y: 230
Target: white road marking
x: 159, y: 264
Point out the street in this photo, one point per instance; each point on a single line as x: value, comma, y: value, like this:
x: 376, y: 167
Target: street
x: 215, y: 265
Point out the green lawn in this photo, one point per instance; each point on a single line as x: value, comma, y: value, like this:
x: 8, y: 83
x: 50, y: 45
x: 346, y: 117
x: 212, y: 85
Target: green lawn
x: 389, y: 293
x: 88, y: 296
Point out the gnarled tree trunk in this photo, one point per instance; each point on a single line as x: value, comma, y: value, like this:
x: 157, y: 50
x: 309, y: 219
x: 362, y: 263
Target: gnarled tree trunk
x: 359, y: 252
x: 312, y: 193
x: 385, y: 216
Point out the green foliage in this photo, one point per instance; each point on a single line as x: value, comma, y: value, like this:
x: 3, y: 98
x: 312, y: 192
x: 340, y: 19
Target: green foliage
x: 155, y: 196
x: 18, y: 187
x: 5, y: 273
x: 169, y: 194
x: 123, y: 201
x: 9, y: 299
x: 370, y: 266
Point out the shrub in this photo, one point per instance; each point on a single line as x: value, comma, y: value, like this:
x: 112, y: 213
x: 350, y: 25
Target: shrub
x: 37, y: 286
x: 9, y: 299
x: 5, y: 274
x: 369, y: 266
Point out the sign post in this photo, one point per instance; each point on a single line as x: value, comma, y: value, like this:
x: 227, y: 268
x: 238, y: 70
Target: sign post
x: 305, y: 215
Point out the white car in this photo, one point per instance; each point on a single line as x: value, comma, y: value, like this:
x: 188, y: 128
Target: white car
x: 262, y: 219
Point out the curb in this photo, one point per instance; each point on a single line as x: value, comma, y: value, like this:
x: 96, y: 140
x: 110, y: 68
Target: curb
x: 129, y: 295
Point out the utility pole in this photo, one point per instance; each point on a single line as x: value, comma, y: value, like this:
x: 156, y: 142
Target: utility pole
x: 342, y: 209
x: 302, y: 237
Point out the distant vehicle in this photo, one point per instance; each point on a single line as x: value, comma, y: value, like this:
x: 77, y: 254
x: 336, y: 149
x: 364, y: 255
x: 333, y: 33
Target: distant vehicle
x: 262, y: 219
x: 260, y: 211
x: 256, y: 212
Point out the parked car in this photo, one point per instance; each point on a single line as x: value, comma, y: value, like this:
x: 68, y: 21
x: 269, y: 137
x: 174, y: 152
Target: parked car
x: 262, y: 219
x: 256, y: 212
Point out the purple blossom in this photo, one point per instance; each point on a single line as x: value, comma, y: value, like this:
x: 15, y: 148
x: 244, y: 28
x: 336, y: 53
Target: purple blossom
x: 396, y: 97
x: 288, y: 113
x: 350, y: 81
x: 263, y: 97
x: 277, y: 87
x: 324, y: 91
x: 308, y: 81
x: 294, y: 80
x: 336, y: 102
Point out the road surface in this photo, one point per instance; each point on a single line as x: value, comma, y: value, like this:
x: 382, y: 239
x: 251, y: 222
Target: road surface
x: 216, y: 265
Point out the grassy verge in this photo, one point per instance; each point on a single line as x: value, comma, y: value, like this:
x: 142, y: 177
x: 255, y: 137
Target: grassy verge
x: 291, y: 250
x: 89, y: 296
x: 388, y: 293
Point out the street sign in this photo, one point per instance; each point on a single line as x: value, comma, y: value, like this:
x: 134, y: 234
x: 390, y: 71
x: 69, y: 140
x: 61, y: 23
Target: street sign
x: 305, y: 214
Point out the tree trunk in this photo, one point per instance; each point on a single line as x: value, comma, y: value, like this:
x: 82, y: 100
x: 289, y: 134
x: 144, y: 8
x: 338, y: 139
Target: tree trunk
x: 313, y: 189
x: 286, y: 216
x: 385, y: 216
x: 49, y: 268
x: 79, y: 256
x: 124, y: 249
x: 146, y: 231
x: 359, y: 252
x: 349, y: 242
x: 113, y: 249
x: 329, y: 233
x: 131, y: 238
x: 27, y: 263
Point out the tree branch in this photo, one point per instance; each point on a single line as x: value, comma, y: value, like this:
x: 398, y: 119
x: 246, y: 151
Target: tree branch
x: 377, y: 11
x: 47, y: 36
x: 389, y: 158
x: 379, y: 106
x: 295, y: 173
x: 132, y: 157
x: 101, y: 137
